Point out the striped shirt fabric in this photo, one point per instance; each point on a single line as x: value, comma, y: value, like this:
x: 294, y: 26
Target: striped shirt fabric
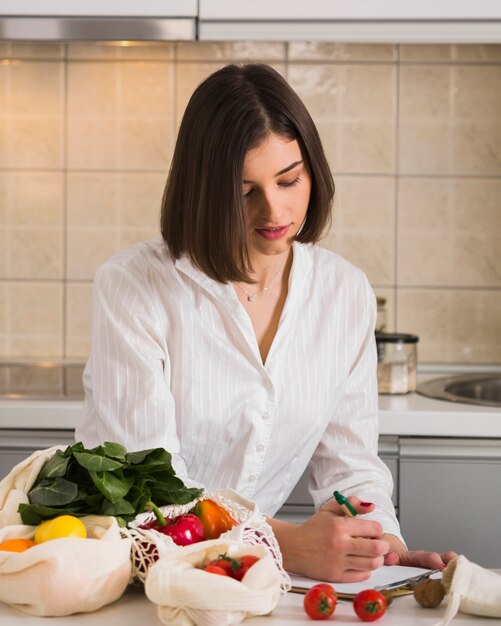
x: 175, y: 363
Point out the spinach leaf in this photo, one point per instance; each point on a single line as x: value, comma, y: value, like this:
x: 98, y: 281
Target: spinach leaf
x: 105, y: 480
x: 53, y: 492
x: 56, y: 466
x: 96, y: 462
x: 112, y: 487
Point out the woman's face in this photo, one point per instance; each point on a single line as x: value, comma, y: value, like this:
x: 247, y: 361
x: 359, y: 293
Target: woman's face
x: 276, y: 189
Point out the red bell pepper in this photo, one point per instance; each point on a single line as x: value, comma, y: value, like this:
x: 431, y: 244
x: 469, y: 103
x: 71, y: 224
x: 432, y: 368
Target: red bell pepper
x: 183, y: 529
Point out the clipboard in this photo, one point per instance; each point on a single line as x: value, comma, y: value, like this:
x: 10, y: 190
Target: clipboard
x: 398, y: 579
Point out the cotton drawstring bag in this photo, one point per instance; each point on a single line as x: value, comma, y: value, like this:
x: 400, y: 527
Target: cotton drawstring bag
x: 61, y: 576
x: 15, y: 486
x: 470, y: 589
x: 185, y: 595
x: 67, y: 575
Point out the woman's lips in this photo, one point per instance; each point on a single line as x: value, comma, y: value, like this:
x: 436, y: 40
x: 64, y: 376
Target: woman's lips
x: 273, y: 233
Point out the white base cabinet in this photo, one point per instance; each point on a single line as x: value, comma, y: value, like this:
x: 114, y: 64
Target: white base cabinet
x: 17, y: 444
x: 450, y: 496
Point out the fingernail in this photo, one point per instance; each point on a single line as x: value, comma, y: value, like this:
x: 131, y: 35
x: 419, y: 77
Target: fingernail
x: 366, y: 503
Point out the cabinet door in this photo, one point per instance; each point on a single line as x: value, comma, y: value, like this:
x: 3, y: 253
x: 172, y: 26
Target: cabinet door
x: 448, y: 497
x: 93, y: 8
x: 300, y: 502
x: 386, y: 21
x: 284, y: 10
x: 17, y: 445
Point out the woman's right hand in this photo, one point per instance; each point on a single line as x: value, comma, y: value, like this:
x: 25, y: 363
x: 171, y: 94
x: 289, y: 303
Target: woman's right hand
x: 331, y: 546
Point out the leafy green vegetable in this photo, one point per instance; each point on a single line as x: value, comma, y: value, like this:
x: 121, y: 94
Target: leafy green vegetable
x: 106, y: 480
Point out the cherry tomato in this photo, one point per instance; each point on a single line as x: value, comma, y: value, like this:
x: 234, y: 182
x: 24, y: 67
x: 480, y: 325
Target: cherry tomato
x: 215, y: 569
x: 369, y: 605
x: 319, y: 603
x: 327, y: 588
x: 236, y: 568
x: 243, y: 564
x: 225, y: 563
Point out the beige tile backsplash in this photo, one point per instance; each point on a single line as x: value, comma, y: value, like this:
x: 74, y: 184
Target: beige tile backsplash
x: 413, y: 135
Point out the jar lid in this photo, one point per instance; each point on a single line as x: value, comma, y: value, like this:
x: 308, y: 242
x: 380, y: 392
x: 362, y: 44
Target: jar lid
x: 396, y: 338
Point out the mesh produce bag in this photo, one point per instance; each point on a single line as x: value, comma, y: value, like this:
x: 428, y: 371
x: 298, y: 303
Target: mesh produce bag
x: 252, y: 529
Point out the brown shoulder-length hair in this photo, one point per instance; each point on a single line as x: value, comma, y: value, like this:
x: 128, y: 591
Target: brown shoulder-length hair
x: 231, y: 112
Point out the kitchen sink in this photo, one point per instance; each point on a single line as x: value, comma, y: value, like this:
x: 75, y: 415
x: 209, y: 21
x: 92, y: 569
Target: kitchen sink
x: 480, y: 389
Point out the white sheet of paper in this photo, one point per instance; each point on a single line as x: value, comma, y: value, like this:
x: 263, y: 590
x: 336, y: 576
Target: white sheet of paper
x: 386, y: 575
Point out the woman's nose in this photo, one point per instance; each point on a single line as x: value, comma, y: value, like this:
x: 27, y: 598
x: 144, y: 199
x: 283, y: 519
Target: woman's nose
x: 270, y: 206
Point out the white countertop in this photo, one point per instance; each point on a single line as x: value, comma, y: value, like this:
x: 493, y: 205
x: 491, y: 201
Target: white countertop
x: 410, y: 415
x: 134, y: 608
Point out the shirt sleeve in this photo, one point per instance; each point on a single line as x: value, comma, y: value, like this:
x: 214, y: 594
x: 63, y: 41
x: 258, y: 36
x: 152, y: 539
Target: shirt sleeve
x: 347, y: 457
x: 127, y: 376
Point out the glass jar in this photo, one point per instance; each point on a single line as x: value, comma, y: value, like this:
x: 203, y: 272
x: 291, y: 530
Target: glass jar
x: 381, y: 314
x: 397, y: 362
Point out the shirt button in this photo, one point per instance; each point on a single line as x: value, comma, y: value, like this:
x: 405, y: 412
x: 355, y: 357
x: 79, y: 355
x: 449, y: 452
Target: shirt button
x: 260, y: 447
x: 268, y: 385
x: 252, y: 478
x: 265, y: 416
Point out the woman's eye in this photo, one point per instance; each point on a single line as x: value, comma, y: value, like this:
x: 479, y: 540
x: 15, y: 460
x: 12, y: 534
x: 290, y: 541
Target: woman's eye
x: 248, y: 193
x: 291, y: 183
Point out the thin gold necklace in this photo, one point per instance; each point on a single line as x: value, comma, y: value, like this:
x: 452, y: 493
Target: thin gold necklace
x: 253, y: 296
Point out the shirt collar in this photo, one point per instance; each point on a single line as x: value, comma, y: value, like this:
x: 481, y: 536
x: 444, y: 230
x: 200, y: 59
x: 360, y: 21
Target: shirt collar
x: 298, y: 279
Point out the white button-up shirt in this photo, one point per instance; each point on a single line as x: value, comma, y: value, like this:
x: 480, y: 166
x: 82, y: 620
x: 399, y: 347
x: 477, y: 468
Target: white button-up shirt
x: 175, y: 364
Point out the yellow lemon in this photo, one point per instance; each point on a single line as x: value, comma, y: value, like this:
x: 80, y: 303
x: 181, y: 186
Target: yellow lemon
x: 62, y: 526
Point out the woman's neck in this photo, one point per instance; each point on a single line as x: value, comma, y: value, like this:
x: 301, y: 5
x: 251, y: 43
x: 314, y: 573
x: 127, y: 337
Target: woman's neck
x: 268, y: 269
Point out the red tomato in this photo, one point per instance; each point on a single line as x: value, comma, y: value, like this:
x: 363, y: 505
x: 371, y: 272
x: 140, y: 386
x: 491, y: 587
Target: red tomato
x: 369, y: 605
x: 319, y: 603
x: 215, y: 569
x: 236, y: 568
x: 327, y: 588
x: 244, y: 564
x: 224, y: 563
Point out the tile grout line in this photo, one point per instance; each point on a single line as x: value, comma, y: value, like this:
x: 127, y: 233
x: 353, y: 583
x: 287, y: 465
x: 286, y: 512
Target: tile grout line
x: 65, y: 205
x: 397, y: 188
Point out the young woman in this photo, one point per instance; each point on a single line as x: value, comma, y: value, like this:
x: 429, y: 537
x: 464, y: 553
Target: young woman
x: 238, y: 344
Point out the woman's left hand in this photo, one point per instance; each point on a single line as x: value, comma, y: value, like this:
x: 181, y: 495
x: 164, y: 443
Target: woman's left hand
x: 399, y: 555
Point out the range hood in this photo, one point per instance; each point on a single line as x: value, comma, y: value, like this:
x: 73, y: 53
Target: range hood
x: 98, y: 20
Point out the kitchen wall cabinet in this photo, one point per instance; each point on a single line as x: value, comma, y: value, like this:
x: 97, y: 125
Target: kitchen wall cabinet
x: 389, y: 21
x: 449, y: 496
x: 99, y: 20
x: 90, y: 8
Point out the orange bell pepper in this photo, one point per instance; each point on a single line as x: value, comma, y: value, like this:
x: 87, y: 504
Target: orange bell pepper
x: 215, y: 519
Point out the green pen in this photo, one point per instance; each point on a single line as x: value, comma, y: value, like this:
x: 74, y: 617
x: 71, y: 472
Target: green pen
x: 344, y: 504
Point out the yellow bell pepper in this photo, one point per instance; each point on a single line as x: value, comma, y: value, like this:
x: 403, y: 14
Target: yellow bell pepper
x: 61, y: 526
